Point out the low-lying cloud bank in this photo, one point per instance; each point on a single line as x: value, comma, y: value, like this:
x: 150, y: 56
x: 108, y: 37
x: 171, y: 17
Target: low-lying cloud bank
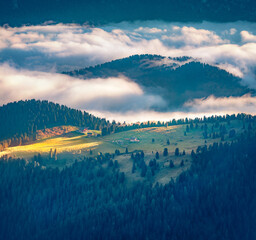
x: 30, y: 56
x: 59, y: 47
x: 197, y: 108
x: 245, y: 104
x: 112, y: 94
x: 112, y: 98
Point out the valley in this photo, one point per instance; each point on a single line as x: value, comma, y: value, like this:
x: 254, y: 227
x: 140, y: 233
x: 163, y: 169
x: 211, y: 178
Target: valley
x: 75, y: 146
x: 127, y: 120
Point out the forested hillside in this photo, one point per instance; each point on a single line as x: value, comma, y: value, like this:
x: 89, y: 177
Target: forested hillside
x: 177, y: 80
x: 215, y: 199
x: 18, y: 12
x: 20, y: 120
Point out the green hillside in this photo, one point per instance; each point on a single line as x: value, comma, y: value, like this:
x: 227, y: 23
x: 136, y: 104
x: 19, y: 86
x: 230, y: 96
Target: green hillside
x: 177, y: 80
x: 75, y: 146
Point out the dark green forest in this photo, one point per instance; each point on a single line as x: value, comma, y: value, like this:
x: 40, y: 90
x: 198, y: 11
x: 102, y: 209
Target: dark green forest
x: 175, y: 84
x: 20, y: 120
x: 215, y: 199
x: 19, y: 12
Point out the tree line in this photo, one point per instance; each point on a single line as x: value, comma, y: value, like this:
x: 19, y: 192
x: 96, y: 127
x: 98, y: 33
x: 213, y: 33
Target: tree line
x: 21, y: 120
x: 214, y: 199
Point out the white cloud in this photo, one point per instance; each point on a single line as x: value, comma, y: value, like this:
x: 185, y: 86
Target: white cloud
x: 232, y: 31
x: 229, y: 57
x: 67, y: 46
x: 149, y: 30
x: 108, y: 94
x: 175, y: 28
x: 193, y: 36
x: 248, y: 37
x: 230, y: 46
x: 167, y: 62
x: 231, y: 69
x: 145, y: 116
x: 244, y: 104
x: 197, y: 108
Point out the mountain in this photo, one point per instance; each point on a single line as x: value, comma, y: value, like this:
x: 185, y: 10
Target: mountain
x: 19, y: 12
x: 177, y: 80
x: 20, y: 120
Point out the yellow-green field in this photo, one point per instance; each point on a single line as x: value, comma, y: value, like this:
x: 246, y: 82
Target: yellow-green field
x: 61, y: 144
x: 81, y: 144
x: 75, y: 145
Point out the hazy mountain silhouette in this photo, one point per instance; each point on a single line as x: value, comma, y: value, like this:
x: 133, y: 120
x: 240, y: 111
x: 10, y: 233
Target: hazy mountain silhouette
x: 177, y: 80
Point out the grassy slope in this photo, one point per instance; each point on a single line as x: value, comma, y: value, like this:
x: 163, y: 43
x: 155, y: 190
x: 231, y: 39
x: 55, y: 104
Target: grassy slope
x: 78, y: 145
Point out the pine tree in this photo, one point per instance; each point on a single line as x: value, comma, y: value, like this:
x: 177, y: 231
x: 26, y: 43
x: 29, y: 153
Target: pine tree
x: 177, y: 152
x: 182, y: 163
x: 171, y: 165
x: 143, y: 169
x: 116, y: 164
x: 55, y: 155
x: 149, y: 174
x: 133, y: 167
x: 51, y: 154
x: 165, y: 152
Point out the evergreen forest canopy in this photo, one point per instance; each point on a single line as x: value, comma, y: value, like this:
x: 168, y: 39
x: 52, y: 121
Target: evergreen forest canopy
x: 93, y: 199
x: 215, y: 199
x: 19, y: 12
x: 20, y: 120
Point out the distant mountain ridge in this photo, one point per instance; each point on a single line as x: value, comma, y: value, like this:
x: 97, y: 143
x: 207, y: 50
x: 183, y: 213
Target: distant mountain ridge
x: 177, y: 80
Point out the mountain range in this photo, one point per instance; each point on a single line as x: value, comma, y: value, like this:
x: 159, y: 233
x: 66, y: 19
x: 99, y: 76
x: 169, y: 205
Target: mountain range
x: 176, y: 80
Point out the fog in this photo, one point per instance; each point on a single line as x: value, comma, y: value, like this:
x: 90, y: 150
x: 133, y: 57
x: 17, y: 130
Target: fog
x: 63, y: 47
x: 110, y: 94
x: 31, y: 58
x: 197, y: 108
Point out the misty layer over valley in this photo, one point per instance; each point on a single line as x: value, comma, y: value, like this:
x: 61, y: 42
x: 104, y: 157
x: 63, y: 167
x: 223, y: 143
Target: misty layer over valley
x: 156, y: 68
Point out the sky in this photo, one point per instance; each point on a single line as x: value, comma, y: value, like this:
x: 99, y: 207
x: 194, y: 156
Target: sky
x: 33, y: 57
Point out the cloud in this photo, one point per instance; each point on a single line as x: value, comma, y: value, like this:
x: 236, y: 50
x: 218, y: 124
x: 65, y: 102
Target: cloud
x: 197, y: 108
x: 30, y: 56
x: 167, y: 62
x: 63, y: 47
x: 192, y: 36
x: 213, y: 105
x: 232, y: 31
x: 150, y: 30
x: 98, y: 94
x: 228, y: 57
x: 231, y: 69
x: 145, y: 116
x: 248, y: 37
